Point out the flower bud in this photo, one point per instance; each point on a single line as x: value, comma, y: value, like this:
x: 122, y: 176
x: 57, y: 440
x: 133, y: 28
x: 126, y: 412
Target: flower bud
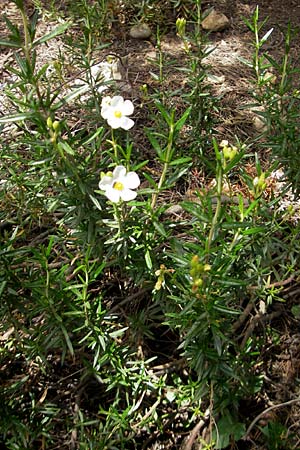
x: 180, y: 26
x: 55, y: 125
x: 49, y: 123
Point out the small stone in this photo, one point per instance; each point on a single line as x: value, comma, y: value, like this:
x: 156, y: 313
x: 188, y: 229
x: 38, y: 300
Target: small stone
x: 215, y: 21
x: 258, y: 120
x: 214, y: 79
x: 174, y: 210
x: 259, y: 124
x: 140, y: 31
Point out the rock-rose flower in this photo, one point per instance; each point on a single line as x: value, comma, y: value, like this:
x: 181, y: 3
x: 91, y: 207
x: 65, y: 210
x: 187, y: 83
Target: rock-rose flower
x: 115, y: 110
x: 118, y: 185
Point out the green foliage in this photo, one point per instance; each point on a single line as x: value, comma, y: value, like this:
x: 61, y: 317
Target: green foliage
x: 276, y: 436
x: 277, y: 96
x: 119, y: 318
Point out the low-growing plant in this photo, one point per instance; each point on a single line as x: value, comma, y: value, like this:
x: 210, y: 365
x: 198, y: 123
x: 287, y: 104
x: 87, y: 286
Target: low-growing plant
x: 277, y: 98
x: 119, y: 314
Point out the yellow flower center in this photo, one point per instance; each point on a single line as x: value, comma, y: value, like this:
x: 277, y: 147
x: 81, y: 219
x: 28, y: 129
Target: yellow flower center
x: 118, y: 114
x: 118, y: 186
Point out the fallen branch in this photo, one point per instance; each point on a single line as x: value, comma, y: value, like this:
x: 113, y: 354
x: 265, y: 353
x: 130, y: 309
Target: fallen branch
x: 263, y: 413
x: 188, y: 444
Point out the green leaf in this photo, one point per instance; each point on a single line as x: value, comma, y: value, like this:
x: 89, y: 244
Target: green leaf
x: 94, y: 135
x: 13, y: 29
x: 196, y: 210
x: 163, y: 112
x: 33, y: 23
x: 2, y: 287
x: 148, y: 260
x: 117, y: 333
x: 56, y: 32
x: 265, y: 37
x: 296, y: 311
x: 249, y: 24
x: 245, y: 61
x: 19, y: 4
x: 178, y: 174
x: 16, y: 117
x: 180, y: 122
x: 96, y: 202
x: 254, y: 230
x: 64, y: 146
x: 226, y: 310
x: 150, y: 180
x: 228, y: 429
x: 251, y: 207
x: 140, y: 165
x: 68, y: 341
x: 71, y: 96
x: 10, y: 44
x: 159, y: 227
x: 182, y: 160
x: 154, y: 142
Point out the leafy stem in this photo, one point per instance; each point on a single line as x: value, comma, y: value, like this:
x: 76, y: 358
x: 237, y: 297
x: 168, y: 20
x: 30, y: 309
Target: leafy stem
x: 215, y: 220
x: 167, y: 160
x: 27, y: 39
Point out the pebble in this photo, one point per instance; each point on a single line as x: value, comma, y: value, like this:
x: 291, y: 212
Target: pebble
x: 215, y: 21
x: 140, y: 31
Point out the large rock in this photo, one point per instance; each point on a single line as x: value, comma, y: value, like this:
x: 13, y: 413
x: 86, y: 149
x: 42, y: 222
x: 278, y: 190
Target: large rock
x: 215, y: 21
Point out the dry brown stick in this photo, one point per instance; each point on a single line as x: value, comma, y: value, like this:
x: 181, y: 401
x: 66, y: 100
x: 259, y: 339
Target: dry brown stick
x: 292, y: 293
x: 257, y: 418
x: 239, y: 322
x: 256, y: 319
x: 188, y: 444
x: 128, y: 299
x: 276, y: 283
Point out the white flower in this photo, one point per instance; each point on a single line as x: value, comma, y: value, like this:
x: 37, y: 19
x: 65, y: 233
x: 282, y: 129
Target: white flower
x: 115, y: 110
x: 118, y: 185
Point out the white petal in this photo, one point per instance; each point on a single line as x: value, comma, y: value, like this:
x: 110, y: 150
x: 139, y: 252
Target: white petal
x: 127, y: 195
x: 106, y: 112
x: 119, y: 172
x: 117, y: 102
x: 127, y: 108
x: 101, y: 89
x: 132, y: 180
x: 106, y: 182
x: 95, y: 70
x: 113, y: 195
x: 113, y: 122
x: 106, y: 101
x: 126, y: 123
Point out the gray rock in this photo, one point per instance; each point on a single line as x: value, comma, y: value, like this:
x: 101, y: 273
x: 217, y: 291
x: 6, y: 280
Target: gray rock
x: 215, y: 21
x: 140, y: 31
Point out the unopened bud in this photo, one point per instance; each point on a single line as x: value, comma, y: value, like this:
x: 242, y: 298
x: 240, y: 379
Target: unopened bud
x: 55, y: 125
x: 180, y: 26
x: 49, y: 123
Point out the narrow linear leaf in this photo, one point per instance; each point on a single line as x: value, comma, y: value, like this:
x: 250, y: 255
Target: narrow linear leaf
x: 10, y: 44
x: 68, y: 341
x: 148, y: 260
x: 159, y: 227
x: 265, y: 37
x: 56, y: 32
x: 71, y: 96
x: 180, y: 122
x: 15, y: 117
x: 66, y: 148
x: 182, y: 160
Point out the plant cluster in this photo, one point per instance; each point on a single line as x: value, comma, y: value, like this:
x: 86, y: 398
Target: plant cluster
x: 125, y: 315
